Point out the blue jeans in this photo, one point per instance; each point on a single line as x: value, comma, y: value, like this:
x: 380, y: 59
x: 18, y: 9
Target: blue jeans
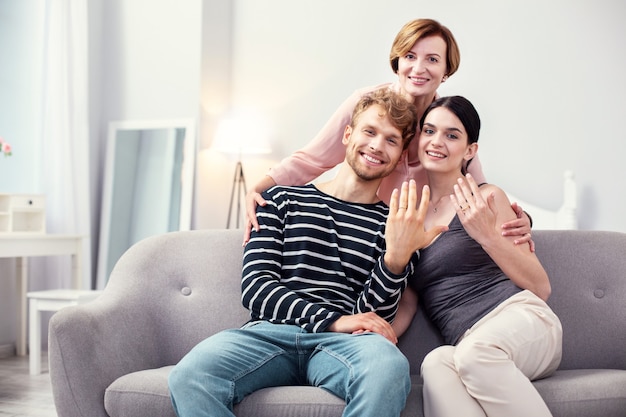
x: 366, y: 370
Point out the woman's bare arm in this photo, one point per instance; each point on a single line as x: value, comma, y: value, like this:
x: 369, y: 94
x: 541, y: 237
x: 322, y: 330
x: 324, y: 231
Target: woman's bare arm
x: 406, y: 310
x: 480, y: 211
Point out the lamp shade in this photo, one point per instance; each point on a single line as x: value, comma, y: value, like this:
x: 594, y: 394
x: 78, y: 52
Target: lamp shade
x: 242, y: 136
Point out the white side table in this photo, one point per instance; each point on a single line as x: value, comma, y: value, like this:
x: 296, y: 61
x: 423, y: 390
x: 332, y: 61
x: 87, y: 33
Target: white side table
x: 49, y: 300
x: 23, y: 245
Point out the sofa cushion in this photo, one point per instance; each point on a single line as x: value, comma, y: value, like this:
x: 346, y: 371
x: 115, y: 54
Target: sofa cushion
x: 140, y: 394
x: 145, y: 394
x: 600, y: 392
x: 585, y: 392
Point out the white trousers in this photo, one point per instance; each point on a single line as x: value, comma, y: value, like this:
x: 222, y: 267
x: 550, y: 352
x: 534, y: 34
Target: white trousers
x: 489, y: 372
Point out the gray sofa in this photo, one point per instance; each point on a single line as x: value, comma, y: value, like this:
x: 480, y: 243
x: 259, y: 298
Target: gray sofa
x: 112, y: 356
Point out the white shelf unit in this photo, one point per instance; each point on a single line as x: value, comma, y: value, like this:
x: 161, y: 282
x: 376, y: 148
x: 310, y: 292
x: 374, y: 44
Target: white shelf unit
x: 22, y: 213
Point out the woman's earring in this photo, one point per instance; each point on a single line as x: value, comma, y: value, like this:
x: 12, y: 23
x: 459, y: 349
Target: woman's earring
x: 445, y: 77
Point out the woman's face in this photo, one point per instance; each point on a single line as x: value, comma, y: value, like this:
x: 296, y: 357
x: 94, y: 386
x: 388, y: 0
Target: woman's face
x: 443, y: 142
x: 422, y: 68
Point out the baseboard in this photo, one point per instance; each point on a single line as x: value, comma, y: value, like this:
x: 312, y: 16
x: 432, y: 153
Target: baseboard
x: 6, y: 351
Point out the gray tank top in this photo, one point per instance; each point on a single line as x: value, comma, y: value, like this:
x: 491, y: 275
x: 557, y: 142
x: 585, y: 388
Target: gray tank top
x: 458, y: 283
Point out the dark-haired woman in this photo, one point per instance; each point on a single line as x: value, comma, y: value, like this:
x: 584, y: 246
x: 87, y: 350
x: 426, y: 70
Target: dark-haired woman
x: 486, y: 296
x: 424, y: 54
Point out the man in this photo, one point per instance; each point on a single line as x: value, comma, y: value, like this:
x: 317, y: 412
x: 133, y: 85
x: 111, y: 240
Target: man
x: 322, y: 278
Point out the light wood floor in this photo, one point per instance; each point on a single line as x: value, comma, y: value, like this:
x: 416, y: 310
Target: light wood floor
x: 22, y: 395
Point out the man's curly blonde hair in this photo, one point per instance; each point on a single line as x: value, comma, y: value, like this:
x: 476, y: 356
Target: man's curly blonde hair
x: 401, y: 113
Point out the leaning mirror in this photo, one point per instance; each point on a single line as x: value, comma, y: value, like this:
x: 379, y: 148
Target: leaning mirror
x: 148, y: 185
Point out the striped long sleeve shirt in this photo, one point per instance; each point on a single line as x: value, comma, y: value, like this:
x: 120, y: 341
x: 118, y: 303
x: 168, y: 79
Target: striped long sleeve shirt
x: 316, y: 258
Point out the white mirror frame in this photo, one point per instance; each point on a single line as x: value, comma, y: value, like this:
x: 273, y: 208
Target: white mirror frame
x: 187, y: 182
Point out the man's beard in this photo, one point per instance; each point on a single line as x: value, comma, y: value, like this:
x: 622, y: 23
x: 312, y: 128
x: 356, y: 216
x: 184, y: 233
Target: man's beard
x: 367, y: 175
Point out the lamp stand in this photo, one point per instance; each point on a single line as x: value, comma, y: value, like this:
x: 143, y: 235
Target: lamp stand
x: 239, y: 181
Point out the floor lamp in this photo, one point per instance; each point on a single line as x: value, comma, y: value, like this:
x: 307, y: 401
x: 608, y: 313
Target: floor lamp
x: 235, y: 136
x: 239, y: 181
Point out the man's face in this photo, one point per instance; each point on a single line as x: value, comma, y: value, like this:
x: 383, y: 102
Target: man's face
x: 373, y: 145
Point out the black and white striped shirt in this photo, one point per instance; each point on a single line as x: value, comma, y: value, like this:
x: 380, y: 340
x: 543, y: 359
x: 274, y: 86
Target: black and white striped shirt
x: 317, y: 258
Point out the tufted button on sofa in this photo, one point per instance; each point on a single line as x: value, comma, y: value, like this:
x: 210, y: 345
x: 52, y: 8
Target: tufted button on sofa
x: 111, y: 357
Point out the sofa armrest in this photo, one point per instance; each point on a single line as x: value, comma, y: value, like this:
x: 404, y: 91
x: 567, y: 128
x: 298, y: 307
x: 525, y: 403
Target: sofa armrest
x: 165, y: 294
x: 91, y: 345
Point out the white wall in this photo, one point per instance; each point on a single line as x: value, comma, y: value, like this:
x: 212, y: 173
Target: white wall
x: 149, y: 61
x: 145, y: 64
x: 546, y: 77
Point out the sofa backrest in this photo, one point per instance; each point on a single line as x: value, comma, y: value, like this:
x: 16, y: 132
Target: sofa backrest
x: 189, y: 282
x: 587, y: 270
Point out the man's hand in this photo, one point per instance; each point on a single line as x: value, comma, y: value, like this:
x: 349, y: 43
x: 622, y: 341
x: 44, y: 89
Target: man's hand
x: 404, y: 230
x: 364, y: 322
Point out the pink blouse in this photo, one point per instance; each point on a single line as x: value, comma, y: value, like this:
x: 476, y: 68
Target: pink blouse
x: 326, y: 151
